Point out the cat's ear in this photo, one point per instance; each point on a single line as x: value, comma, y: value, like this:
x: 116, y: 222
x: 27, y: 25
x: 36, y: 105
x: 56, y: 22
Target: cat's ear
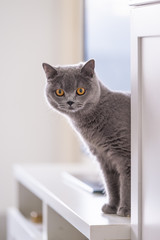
x: 88, y: 68
x: 49, y: 71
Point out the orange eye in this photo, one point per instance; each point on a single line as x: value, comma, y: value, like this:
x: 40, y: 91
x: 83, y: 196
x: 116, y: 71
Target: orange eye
x: 59, y: 92
x: 80, y: 91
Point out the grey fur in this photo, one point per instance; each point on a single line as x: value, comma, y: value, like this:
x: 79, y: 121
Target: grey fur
x: 102, y: 117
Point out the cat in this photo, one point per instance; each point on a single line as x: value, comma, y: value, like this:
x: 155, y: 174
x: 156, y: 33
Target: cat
x: 102, y: 117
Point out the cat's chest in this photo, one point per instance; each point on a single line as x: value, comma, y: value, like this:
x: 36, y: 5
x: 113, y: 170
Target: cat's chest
x: 102, y: 135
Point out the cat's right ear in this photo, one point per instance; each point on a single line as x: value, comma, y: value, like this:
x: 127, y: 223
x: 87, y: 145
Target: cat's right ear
x: 49, y: 71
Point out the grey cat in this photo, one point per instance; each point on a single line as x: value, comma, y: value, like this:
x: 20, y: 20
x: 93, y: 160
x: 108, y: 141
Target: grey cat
x: 102, y: 117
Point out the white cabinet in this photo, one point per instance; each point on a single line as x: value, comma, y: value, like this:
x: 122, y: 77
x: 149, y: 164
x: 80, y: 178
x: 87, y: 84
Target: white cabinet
x: 145, y: 72
x: 69, y: 212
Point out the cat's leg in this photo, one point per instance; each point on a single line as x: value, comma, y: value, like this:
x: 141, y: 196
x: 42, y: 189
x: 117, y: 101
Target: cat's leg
x: 112, y: 185
x: 125, y: 181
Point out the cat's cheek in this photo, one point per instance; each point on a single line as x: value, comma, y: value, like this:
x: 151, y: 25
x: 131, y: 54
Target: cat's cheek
x: 51, y: 101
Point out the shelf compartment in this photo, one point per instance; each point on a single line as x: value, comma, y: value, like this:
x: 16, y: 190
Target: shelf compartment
x: 28, y: 202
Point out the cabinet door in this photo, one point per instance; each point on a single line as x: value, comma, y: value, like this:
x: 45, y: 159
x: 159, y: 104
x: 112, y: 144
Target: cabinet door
x: 145, y: 74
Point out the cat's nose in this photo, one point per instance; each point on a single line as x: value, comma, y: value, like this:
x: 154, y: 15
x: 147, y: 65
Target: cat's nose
x: 70, y: 103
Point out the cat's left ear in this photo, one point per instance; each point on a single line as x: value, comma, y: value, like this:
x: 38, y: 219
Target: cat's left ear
x: 49, y: 71
x: 88, y: 68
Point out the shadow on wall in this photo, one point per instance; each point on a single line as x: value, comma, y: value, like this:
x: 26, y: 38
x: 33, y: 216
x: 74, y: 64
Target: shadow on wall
x: 3, y: 219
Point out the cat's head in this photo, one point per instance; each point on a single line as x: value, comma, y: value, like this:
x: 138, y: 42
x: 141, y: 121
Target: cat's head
x: 72, y: 88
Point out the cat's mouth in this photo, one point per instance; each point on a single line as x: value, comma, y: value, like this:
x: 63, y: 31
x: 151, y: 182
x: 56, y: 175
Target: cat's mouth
x: 70, y: 108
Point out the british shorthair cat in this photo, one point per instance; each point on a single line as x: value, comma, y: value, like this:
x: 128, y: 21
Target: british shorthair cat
x: 102, y: 117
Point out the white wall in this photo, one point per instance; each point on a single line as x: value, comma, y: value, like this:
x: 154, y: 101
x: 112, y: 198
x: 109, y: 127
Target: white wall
x: 32, y: 32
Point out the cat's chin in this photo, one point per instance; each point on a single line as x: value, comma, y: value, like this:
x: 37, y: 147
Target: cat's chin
x: 69, y: 110
x: 73, y: 110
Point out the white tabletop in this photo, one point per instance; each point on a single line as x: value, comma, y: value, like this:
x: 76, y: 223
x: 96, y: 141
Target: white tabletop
x: 79, y: 207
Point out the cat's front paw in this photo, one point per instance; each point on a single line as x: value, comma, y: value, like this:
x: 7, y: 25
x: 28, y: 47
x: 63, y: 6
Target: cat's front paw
x: 109, y: 209
x: 124, y: 212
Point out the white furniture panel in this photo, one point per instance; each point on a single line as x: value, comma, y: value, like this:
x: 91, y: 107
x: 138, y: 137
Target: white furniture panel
x: 150, y: 138
x: 145, y: 73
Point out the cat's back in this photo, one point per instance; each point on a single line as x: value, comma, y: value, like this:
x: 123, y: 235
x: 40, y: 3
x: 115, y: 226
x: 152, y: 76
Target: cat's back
x: 115, y: 105
x: 113, y: 122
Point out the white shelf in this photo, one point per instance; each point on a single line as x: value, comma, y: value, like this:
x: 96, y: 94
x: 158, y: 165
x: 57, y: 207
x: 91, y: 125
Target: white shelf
x: 142, y: 2
x: 22, y: 227
x: 80, y: 209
